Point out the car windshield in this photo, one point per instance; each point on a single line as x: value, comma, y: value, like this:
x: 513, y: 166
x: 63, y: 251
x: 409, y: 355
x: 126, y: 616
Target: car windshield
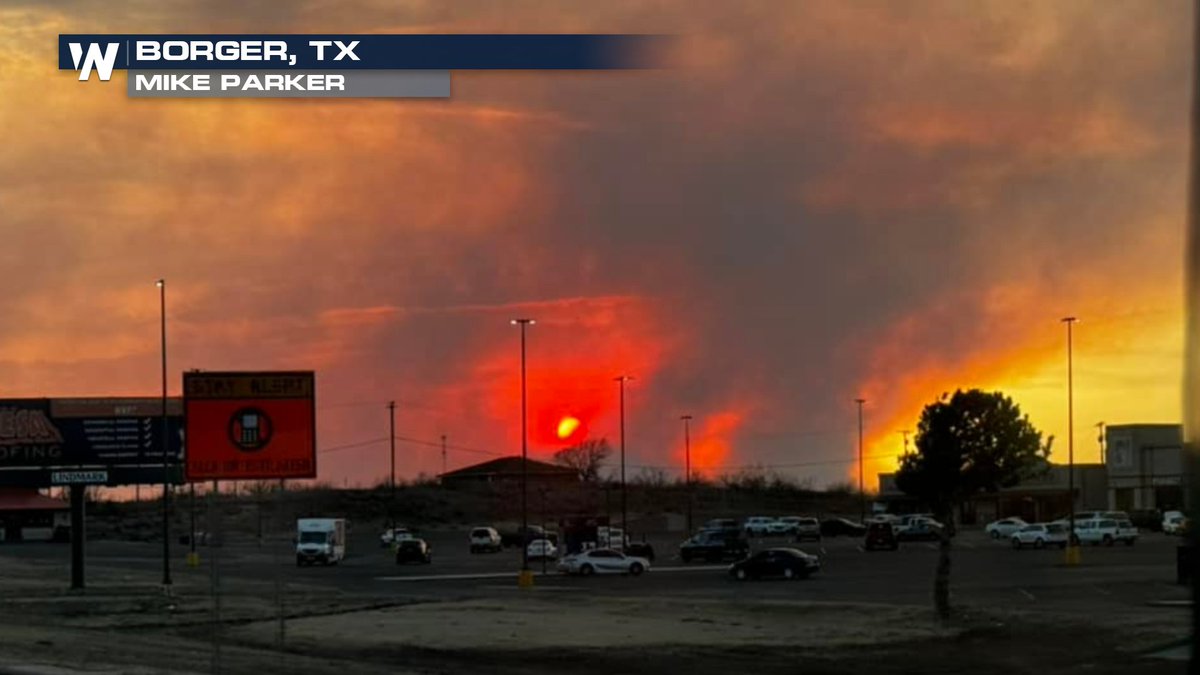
x: 311, y: 537
x: 480, y: 533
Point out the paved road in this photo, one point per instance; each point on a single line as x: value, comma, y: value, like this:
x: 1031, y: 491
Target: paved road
x: 985, y: 573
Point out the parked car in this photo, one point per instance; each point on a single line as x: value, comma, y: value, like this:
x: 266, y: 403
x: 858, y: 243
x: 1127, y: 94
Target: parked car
x: 919, y: 528
x: 841, y: 527
x: 518, y: 537
x: 777, y: 527
x: 1105, y: 531
x: 788, y: 563
x: 541, y: 549
x: 640, y: 549
x: 722, y: 524
x: 807, y: 528
x: 1004, y: 528
x: 758, y: 525
x: 1040, y: 535
x: 880, y: 535
x: 395, y: 534
x: 714, y: 546
x: 602, y: 561
x: 1147, y: 520
x: 413, y: 550
x: 1174, y: 522
x: 485, y: 540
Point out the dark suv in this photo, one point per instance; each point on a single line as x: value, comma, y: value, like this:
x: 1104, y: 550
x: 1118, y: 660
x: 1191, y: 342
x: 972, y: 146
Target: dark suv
x: 881, y: 536
x: 413, y: 550
x: 714, y: 546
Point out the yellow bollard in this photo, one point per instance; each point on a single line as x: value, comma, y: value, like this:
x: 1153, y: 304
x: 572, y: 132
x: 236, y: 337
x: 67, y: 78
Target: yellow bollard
x: 1072, y: 556
x: 193, y: 559
x: 525, y: 579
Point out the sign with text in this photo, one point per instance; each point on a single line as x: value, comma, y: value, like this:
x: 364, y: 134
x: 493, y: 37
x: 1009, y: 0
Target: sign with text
x: 73, y: 432
x: 250, y: 426
x: 79, y: 477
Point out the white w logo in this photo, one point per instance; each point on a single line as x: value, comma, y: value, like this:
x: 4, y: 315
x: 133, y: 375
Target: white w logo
x: 103, y: 62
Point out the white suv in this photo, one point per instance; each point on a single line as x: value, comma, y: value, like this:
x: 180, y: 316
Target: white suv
x: 1105, y: 531
x: 485, y: 540
x: 758, y: 525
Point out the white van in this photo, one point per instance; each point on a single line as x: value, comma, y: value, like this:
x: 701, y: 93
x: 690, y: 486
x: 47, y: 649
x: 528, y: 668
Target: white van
x: 320, y: 540
x: 1105, y: 531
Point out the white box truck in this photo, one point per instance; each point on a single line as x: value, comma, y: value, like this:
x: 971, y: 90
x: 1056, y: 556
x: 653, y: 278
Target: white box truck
x: 320, y: 540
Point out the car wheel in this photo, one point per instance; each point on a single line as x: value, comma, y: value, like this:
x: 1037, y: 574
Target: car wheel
x: 1016, y: 543
x: 636, y: 568
x: 1039, y: 542
x: 587, y: 570
x: 789, y: 573
x: 685, y: 558
x: 995, y: 534
x: 1108, y: 540
x: 741, y: 574
x: 1074, y: 540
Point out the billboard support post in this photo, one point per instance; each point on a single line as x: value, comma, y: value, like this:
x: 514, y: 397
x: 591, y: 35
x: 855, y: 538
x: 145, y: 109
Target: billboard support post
x: 77, y: 536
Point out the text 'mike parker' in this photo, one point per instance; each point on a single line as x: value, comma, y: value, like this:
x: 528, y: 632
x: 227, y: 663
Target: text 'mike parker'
x: 239, y: 50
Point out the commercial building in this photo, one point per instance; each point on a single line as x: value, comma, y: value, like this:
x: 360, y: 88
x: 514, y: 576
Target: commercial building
x: 1146, y: 467
x: 26, y: 515
x: 1041, y: 498
x: 506, y: 471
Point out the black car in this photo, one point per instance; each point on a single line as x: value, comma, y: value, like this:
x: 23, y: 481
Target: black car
x: 640, y: 549
x: 519, y: 537
x: 880, y: 536
x: 788, y: 563
x: 840, y: 527
x: 413, y: 550
x: 715, y: 546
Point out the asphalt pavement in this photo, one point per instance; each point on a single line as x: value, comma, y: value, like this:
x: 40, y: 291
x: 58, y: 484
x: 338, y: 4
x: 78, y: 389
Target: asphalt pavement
x: 985, y: 572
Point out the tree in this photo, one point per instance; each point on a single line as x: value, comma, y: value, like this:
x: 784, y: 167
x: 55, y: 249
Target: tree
x: 967, y: 443
x: 586, y: 457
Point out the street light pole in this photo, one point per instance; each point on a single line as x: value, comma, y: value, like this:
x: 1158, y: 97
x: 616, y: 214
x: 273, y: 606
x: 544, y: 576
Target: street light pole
x: 392, y: 474
x: 166, y: 445
x: 621, y: 379
x: 1072, y: 549
x: 687, y: 463
x: 525, y: 574
x: 862, y: 495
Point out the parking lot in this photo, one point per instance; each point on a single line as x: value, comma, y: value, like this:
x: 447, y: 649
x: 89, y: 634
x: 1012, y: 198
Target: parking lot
x: 878, y: 598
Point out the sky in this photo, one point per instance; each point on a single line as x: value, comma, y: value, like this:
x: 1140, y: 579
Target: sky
x: 814, y: 202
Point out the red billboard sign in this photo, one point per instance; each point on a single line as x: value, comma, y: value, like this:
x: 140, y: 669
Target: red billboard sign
x: 249, y: 426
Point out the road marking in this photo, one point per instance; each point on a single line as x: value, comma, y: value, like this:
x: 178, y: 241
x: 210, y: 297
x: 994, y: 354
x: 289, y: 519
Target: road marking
x: 1027, y: 594
x: 1102, y: 590
x: 824, y: 553
x: 513, y: 575
x: 931, y: 547
x: 860, y: 549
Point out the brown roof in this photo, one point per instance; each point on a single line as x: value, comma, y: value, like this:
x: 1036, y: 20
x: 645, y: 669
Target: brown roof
x: 510, y: 467
x: 28, y: 499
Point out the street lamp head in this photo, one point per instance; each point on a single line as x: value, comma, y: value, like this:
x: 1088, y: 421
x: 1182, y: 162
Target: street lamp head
x: 522, y: 322
x: 685, y: 417
x: 160, y: 283
x: 624, y: 378
x: 860, y: 401
x: 1069, y: 319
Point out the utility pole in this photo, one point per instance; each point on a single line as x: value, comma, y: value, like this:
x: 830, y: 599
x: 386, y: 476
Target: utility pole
x: 392, y: 474
x: 526, y: 577
x: 443, y: 454
x: 166, y: 441
x: 1100, y: 439
x: 862, y: 494
x: 1072, y: 548
x: 687, y: 463
x: 621, y: 379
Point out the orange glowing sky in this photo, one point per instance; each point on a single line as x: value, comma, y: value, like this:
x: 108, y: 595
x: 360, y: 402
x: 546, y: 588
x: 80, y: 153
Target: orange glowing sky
x: 820, y: 201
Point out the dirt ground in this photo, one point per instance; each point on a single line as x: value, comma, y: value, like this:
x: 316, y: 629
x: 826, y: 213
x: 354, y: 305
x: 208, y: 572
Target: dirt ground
x: 132, y: 627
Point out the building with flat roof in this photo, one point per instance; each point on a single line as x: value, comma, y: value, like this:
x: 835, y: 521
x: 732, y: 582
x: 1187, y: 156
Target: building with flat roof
x: 1146, y: 467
